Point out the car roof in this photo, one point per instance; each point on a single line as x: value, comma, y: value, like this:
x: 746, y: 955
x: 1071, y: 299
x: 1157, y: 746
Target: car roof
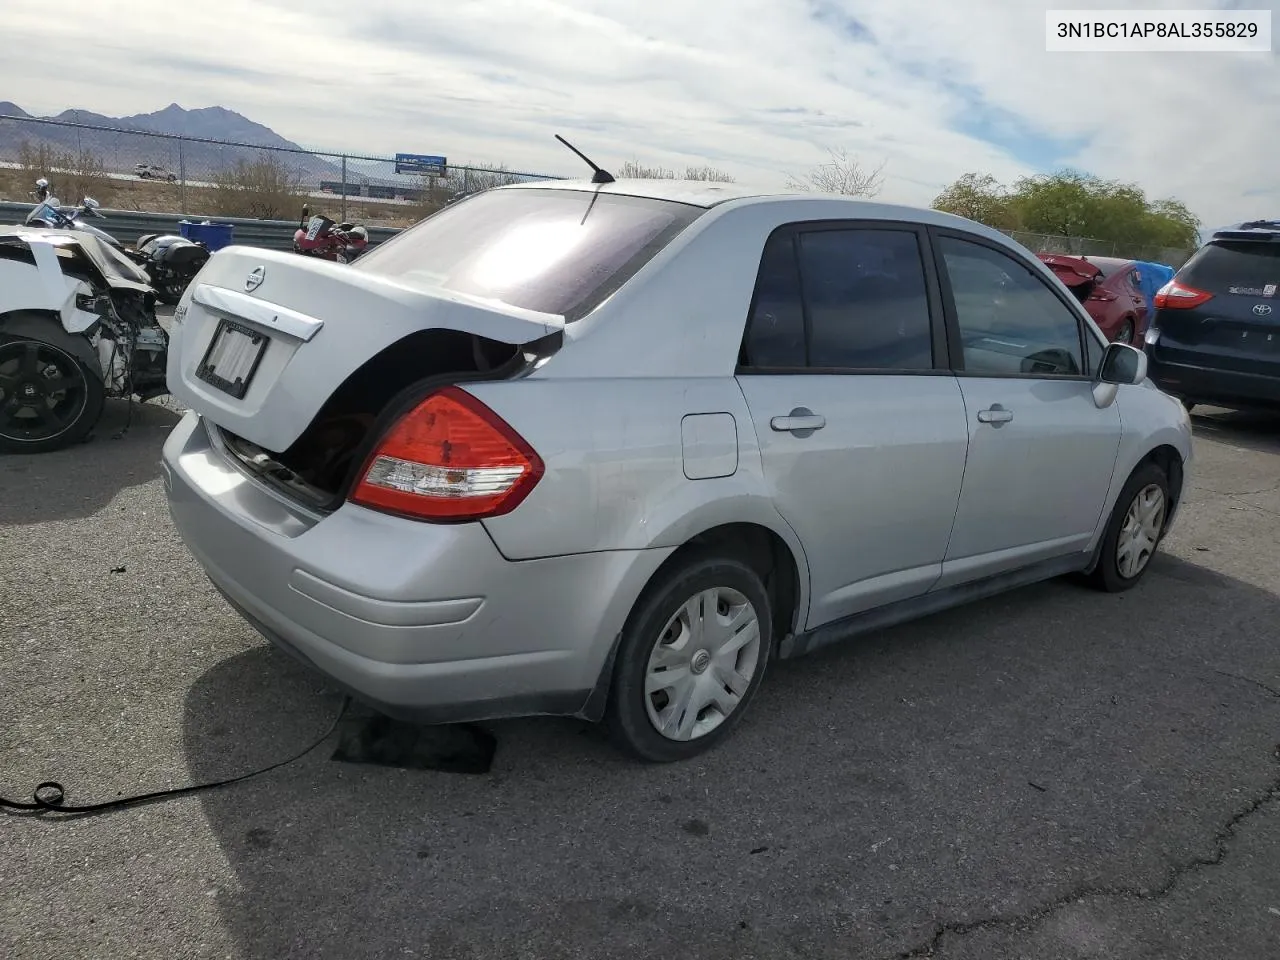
x: 707, y: 195
x: 1264, y: 230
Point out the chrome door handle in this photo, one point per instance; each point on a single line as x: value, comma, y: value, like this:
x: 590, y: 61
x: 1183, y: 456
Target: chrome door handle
x: 801, y: 422
x: 995, y: 415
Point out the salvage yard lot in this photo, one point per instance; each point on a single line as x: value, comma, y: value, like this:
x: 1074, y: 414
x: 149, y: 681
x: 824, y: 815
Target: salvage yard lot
x: 1075, y: 764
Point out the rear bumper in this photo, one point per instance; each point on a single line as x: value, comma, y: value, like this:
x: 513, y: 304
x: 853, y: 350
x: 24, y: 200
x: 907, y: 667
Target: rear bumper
x: 426, y: 622
x: 1213, y: 385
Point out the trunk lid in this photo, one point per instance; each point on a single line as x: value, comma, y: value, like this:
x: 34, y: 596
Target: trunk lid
x: 289, y: 330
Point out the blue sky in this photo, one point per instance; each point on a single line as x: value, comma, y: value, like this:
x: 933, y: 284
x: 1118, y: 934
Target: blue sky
x: 760, y: 88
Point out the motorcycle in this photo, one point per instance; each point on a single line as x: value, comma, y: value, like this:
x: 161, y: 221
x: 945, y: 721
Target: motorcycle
x: 77, y: 325
x: 48, y: 213
x: 319, y: 236
x: 171, y: 261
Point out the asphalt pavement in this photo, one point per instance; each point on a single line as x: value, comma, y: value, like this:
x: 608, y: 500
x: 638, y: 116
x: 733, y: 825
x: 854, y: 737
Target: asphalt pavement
x: 1052, y: 774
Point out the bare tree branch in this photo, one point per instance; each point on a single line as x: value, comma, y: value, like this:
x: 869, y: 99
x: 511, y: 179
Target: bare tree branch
x: 843, y: 174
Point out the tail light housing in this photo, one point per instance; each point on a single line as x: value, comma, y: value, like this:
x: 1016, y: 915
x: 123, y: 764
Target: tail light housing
x: 450, y: 459
x: 1178, y: 296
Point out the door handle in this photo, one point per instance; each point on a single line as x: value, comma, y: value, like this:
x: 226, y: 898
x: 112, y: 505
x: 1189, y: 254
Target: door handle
x: 800, y: 422
x: 995, y: 415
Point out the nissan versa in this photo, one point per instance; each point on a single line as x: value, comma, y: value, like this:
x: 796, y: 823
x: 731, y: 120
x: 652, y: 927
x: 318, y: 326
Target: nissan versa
x: 606, y: 450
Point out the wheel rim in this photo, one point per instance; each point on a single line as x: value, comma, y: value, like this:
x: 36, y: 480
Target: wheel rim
x: 702, y: 664
x: 42, y: 391
x: 1126, y: 333
x: 1140, y: 532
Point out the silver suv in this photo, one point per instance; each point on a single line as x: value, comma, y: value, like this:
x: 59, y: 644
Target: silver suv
x: 606, y: 451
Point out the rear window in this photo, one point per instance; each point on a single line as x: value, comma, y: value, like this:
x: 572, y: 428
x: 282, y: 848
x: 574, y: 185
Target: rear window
x: 554, y: 251
x: 1242, y: 267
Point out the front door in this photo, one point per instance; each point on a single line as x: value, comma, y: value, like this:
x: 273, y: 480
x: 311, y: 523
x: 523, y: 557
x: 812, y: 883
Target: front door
x: 1041, y: 452
x: 862, y: 439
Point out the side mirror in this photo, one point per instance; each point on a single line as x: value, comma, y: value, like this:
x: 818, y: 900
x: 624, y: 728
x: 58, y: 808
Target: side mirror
x: 90, y: 203
x: 1122, y: 364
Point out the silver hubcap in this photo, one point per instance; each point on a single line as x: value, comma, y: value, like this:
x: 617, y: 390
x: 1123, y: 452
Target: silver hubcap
x: 702, y: 664
x: 1140, y: 532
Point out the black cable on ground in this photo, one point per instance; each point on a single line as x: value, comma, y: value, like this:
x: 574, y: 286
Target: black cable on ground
x: 50, y: 796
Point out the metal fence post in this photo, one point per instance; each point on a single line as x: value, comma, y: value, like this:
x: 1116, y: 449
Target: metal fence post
x: 344, y: 188
x: 182, y: 177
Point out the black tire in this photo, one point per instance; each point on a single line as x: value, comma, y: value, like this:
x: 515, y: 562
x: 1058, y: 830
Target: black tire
x: 627, y: 715
x: 1189, y: 404
x: 76, y: 408
x: 1107, y: 575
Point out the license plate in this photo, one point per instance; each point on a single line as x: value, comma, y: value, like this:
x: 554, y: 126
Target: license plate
x: 232, y: 358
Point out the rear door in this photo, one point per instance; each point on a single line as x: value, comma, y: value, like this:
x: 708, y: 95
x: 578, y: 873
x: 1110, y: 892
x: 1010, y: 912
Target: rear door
x: 1041, y: 452
x: 1235, y: 324
x: 861, y: 427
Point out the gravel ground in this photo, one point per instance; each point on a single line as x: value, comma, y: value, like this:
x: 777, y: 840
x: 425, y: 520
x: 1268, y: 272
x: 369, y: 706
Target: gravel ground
x: 1050, y: 774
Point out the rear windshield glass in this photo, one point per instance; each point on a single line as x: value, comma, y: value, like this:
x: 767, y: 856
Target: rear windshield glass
x: 1235, y: 266
x: 554, y: 251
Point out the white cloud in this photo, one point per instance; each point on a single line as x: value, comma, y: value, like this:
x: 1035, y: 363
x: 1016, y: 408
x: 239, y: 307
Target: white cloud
x: 758, y: 87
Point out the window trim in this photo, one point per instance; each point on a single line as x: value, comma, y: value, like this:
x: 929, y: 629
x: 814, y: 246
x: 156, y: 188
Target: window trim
x: 933, y: 296
x: 954, y: 342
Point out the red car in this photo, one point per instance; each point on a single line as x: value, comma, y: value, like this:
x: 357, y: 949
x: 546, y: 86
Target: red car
x: 1110, y: 290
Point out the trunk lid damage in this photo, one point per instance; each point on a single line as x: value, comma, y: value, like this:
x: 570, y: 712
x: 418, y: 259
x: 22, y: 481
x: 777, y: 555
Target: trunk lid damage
x: 298, y: 336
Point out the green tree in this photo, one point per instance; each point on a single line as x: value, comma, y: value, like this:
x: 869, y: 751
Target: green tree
x: 1070, y: 203
x: 979, y: 197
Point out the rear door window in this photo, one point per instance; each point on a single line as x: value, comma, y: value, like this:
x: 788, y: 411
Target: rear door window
x: 561, y: 252
x: 867, y: 300
x: 1246, y: 268
x: 840, y: 299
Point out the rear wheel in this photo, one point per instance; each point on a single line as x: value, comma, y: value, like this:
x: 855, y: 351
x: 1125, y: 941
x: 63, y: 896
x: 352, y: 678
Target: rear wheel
x: 1134, y: 530
x: 692, y: 655
x: 48, y: 398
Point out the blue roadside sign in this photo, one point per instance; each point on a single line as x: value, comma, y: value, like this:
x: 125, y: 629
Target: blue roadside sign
x: 420, y: 164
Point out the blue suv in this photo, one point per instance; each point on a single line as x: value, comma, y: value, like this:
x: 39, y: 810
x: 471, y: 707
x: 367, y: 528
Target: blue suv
x: 1215, y: 337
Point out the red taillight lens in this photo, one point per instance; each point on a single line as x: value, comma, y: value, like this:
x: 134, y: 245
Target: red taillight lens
x: 450, y: 458
x: 1178, y: 296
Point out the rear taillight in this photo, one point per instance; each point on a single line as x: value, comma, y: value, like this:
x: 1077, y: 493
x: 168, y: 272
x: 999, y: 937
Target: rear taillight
x: 450, y: 458
x: 1178, y: 296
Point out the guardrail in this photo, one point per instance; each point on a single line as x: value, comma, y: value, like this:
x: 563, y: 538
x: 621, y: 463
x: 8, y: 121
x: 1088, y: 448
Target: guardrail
x: 127, y: 225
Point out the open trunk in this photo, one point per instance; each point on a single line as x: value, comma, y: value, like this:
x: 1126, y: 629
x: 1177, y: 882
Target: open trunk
x: 298, y: 362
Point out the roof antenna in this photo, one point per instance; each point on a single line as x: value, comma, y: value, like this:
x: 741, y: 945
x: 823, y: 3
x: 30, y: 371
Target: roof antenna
x: 601, y: 175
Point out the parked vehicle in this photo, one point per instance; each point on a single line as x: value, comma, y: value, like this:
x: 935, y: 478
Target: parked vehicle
x: 77, y: 325
x: 153, y: 171
x: 320, y: 237
x: 171, y: 263
x: 1216, y: 334
x: 1109, y: 288
x: 610, y: 448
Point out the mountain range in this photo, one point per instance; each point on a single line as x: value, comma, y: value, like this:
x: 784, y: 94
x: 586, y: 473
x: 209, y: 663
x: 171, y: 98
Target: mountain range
x: 121, y: 150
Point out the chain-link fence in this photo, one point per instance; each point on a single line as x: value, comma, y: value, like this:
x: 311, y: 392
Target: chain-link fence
x: 1084, y: 247
x: 195, y: 176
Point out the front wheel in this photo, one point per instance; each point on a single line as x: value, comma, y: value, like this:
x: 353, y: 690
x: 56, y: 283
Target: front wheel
x: 48, y: 398
x: 691, y: 657
x: 1134, y: 530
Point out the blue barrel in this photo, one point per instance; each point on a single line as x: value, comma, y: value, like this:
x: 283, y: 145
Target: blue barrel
x: 215, y: 236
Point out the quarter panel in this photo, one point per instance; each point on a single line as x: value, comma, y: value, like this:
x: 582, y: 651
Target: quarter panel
x: 615, y: 475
